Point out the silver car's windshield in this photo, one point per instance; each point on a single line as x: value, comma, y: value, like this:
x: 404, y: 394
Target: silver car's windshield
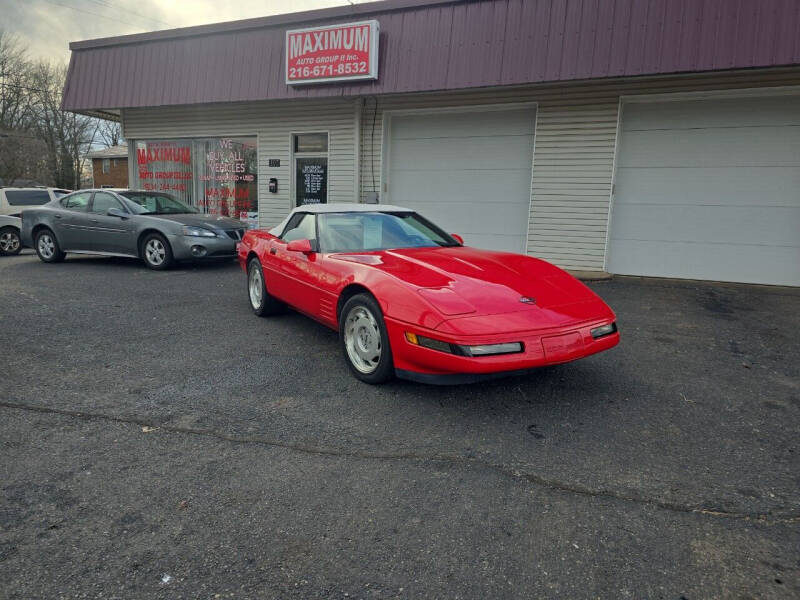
x: 156, y: 203
x: 365, y: 231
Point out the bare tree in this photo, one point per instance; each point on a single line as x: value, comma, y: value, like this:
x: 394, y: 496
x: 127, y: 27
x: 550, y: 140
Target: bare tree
x: 110, y: 133
x: 15, y: 114
x: 37, y: 139
x: 68, y: 136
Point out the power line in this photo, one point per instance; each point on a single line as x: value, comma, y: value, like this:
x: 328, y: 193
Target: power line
x: 133, y: 12
x: 88, y: 12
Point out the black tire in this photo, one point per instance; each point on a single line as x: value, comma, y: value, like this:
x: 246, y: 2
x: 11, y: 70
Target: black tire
x: 47, y: 248
x: 10, y: 243
x: 156, y: 252
x: 365, y: 341
x: 260, y: 300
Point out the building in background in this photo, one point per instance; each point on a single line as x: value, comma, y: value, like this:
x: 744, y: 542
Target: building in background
x: 110, y: 167
x: 657, y: 137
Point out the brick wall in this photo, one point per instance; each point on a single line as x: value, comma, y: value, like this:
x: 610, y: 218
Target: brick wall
x: 117, y: 175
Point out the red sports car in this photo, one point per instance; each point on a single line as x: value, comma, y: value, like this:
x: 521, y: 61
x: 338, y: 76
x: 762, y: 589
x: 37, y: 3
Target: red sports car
x: 410, y: 300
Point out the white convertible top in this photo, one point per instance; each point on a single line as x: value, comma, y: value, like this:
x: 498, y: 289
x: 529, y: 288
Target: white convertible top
x: 337, y: 207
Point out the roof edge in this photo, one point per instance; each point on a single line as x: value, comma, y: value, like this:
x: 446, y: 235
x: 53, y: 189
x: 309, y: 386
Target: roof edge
x: 346, y: 10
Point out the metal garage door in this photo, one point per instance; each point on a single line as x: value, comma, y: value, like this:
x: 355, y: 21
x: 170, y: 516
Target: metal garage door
x: 709, y: 189
x: 469, y: 172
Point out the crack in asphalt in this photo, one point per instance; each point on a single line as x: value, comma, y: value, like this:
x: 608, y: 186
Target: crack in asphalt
x: 772, y: 518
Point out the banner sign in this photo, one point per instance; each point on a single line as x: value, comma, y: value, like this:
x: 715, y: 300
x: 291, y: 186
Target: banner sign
x: 332, y: 53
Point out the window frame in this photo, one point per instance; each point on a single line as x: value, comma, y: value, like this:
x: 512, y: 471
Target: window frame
x: 9, y: 194
x: 302, y: 215
x: 106, y: 166
x: 65, y: 200
x: 114, y: 196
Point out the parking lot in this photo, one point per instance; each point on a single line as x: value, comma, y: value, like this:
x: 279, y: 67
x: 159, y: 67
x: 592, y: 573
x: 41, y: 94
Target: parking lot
x: 158, y: 440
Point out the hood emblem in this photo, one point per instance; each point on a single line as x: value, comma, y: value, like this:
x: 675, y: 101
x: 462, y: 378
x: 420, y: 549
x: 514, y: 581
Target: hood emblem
x: 527, y: 300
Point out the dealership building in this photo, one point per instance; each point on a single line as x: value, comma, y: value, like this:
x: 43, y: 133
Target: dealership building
x: 637, y: 137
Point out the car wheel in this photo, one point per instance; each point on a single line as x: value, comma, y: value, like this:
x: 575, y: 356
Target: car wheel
x: 9, y: 241
x: 261, y: 302
x: 47, y: 248
x: 156, y: 252
x: 365, y: 341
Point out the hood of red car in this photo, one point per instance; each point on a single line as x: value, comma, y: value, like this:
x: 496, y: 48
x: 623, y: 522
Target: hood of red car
x: 469, y: 281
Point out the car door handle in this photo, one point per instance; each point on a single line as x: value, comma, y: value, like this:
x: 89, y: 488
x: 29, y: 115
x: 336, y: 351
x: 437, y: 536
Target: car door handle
x: 57, y: 216
x: 94, y: 221
x: 272, y: 250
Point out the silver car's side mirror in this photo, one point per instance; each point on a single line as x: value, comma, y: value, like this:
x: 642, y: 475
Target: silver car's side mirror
x: 116, y: 212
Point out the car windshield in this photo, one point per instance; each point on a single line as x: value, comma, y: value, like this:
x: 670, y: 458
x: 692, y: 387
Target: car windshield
x: 365, y: 231
x: 145, y: 203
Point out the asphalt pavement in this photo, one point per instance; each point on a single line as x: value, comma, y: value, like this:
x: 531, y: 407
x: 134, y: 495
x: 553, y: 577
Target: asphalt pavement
x: 160, y: 441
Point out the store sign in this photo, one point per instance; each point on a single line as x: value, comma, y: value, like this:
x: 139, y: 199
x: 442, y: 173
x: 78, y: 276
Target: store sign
x: 332, y: 53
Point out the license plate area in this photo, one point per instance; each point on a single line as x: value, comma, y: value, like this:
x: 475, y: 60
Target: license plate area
x: 562, y: 347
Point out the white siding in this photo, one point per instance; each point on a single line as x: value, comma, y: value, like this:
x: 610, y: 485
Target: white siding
x: 573, y: 162
x: 273, y: 123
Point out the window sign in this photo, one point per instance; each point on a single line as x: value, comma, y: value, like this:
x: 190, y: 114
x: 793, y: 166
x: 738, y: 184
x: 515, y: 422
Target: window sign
x: 310, y: 168
x: 312, y: 180
x: 215, y: 175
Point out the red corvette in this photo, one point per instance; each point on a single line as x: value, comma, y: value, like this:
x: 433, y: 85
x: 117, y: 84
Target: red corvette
x: 410, y: 300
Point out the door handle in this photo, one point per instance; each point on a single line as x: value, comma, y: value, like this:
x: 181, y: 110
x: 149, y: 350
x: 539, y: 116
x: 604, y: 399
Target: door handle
x: 272, y: 250
x: 57, y: 216
x: 94, y: 220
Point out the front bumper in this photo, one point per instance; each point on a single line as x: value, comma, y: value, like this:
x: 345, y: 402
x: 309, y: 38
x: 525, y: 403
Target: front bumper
x: 185, y: 247
x: 541, y: 347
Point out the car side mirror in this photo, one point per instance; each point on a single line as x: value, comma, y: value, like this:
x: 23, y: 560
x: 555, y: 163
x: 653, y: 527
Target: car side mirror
x: 117, y: 212
x: 457, y: 238
x: 303, y: 246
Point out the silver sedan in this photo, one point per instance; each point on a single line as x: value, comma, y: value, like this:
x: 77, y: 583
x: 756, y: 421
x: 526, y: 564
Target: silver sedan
x: 153, y: 226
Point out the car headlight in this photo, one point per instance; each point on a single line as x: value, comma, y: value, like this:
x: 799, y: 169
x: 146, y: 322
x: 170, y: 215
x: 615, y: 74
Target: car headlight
x: 604, y: 330
x: 489, y: 349
x: 481, y: 350
x: 198, y: 231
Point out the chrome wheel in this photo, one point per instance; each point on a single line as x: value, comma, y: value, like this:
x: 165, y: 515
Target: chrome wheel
x: 46, y: 246
x: 155, y: 252
x: 256, y: 286
x: 362, y: 339
x: 9, y: 242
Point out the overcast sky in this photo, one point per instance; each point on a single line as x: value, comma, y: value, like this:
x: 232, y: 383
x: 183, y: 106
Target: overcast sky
x: 48, y: 26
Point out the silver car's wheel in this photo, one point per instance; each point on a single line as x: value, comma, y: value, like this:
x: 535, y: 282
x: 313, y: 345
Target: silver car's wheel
x: 255, y: 286
x: 9, y: 241
x: 46, y: 246
x: 362, y: 339
x: 156, y: 252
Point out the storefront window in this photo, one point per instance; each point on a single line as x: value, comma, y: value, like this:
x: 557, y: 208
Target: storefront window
x: 215, y: 175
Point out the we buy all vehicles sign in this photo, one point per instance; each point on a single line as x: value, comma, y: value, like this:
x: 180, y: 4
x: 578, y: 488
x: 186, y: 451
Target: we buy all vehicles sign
x: 332, y: 53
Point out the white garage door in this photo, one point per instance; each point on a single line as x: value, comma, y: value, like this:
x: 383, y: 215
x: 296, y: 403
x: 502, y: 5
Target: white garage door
x: 469, y: 172
x: 709, y: 189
